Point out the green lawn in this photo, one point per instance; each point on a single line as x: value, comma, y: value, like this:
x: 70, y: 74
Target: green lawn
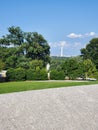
x: 34, y: 85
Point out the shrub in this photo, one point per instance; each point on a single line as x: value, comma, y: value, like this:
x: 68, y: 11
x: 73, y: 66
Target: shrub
x: 57, y: 75
x: 20, y: 74
x: 16, y: 74
x: 36, y: 75
x: 10, y: 74
x: 43, y: 74
x: 74, y: 74
x: 96, y: 75
x: 2, y: 65
x: 30, y: 74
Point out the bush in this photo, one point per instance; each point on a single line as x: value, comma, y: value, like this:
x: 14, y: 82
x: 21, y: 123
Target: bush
x: 20, y: 74
x: 36, y: 75
x: 74, y: 74
x: 30, y: 74
x: 10, y: 74
x: 43, y: 74
x: 16, y: 74
x: 57, y: 75
x: 96, y: 75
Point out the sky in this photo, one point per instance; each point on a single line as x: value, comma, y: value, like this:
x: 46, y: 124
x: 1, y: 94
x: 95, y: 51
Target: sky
x: 67, y: 24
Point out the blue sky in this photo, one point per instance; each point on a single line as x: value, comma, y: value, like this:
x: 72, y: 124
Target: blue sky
x: 67, y: 23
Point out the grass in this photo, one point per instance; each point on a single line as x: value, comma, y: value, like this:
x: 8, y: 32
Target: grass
x: 10, y: 87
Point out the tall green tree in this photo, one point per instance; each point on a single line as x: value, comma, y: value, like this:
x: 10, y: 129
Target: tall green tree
x: 15, y: 36
x: 70, y: 68
x: 34, y: 64
x: 1, y: 65
x: 91, y: 51
x: 36, y: 47
x: 19, y: 46
x: 89, y: 68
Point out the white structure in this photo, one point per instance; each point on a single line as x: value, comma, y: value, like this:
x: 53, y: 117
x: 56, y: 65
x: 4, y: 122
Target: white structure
x: 61, y: 51
x: 48, y: 67
x: 62, y: 44
x: 3, y: 73
x: 48, y: 72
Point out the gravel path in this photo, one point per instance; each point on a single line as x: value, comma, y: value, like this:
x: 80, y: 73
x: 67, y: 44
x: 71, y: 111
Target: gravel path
x: 69, y: 108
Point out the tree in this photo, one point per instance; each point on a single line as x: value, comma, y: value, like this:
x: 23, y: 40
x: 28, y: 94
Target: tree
x: 36, y: 47
x: 91, y: 51
x: 89, y: 68
x: 35, y: 64
x: 11, y: 62
x: 18, y: 48
x: 16, y: 36
x: 4, y: 53
x: 38, y: 74
x: 57, y: 75
x: 11, y: 74
x: 1, y: 65
x: 70, y: 68
x: 56, y: 62
x: 23, y: 62
x: 18, y: 74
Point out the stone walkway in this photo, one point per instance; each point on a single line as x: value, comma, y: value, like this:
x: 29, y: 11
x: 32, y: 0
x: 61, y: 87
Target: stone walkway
x: 69, y: 108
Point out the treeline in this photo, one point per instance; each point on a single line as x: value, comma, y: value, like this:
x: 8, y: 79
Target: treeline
x: 19, y: 48
x: 84, y: 66
x: 25, y: 55
x: 73, y: 68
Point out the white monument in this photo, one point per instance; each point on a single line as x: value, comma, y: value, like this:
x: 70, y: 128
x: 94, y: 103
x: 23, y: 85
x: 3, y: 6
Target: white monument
x: 48, y: 68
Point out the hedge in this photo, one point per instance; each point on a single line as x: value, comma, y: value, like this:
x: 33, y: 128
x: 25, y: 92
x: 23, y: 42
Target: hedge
x: 57, y: 75
x: 20, y: 74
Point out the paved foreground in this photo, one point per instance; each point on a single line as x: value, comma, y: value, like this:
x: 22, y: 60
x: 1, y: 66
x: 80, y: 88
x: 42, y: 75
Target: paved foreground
x: 71, y: 108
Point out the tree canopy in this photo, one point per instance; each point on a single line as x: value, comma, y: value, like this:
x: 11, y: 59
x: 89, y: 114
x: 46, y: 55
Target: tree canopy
x: 17, y: 48
x: 89, y: 68
x: 1, y: 65
x: 91, y: 51
x: 70, y: 68
x: 81, y: 68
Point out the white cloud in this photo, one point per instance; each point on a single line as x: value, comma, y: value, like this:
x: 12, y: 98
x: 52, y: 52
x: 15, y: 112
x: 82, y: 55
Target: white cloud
x: 64, y: 44
x: 55, y: 44
x: 68, y: 48
x: 74, y: 35
x: 59, y: 44
x: 90, y: 34
x: 50, y: 43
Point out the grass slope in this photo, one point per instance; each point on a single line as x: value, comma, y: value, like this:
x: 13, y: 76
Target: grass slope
x: 34, y: 85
